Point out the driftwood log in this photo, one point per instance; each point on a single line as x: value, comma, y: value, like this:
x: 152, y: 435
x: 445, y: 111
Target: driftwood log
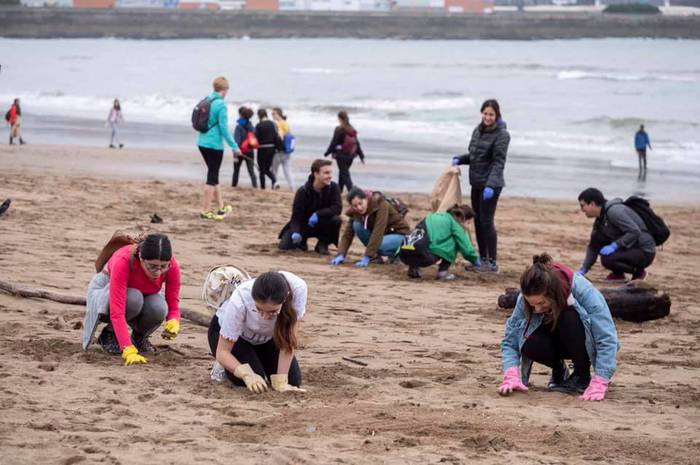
x: 23, y: 291
x: 632, y: 302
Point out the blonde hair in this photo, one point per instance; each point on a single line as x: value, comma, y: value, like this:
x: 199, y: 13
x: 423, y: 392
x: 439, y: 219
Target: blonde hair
x: 220, y: 83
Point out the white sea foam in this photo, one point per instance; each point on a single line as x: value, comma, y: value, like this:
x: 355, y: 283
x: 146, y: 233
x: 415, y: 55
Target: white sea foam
x: 575, y: 74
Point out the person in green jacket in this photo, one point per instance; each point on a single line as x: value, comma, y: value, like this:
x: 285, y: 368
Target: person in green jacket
x: 211, y: 146
x: 438, y: 238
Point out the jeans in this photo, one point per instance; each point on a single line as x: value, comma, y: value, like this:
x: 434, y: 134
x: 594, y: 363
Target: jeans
x: 115, y: 135
x: 484, y: 224
x: 390, y: 243
x: 249, y: 163
x: 284, y: 159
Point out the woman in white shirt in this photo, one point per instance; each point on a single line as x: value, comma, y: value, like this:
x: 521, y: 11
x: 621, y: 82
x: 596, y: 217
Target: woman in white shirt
x: 255, y: 332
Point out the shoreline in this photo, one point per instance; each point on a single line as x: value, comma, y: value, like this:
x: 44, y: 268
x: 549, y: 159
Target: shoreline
x: 190, y: 24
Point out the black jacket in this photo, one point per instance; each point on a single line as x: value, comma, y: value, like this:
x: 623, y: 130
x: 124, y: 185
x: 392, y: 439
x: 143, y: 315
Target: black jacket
x: 487, y: 156
x: 337, y: 141
x: 307, y: 201
x: 267, y: 135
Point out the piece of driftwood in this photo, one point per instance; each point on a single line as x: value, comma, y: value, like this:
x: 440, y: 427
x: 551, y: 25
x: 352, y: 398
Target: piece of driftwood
x: 23, y: 291
x: 632, y: 302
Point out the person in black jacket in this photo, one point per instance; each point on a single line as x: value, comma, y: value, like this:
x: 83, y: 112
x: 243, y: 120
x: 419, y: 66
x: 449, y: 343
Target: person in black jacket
x: 315, y: 212
x: 345, y: 146
x: 240, y: 134
x: 486, y: 159
x: 270, y: 141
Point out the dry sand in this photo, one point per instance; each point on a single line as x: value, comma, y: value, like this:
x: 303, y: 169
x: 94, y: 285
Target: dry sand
x: 427, y: 394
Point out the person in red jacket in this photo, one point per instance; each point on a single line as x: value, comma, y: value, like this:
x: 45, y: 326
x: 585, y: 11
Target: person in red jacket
x: 14, y: 119
x: 127, y: 291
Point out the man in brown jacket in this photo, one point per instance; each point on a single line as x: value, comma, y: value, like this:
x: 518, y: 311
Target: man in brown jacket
x: 376, y: 223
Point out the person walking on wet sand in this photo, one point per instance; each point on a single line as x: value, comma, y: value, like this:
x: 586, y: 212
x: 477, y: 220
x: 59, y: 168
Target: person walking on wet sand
x: 211, y: 146
x: 255, y: 333
x: 558, y: 316
x: 283, y: 156
x: 114, y: 119
x: 345, y: 146
x: 127, y: 294
x: 14, y: 119
x: 641, y: 142
x: 244, y: 135
x: 488, y: 149
x: 269, y: 141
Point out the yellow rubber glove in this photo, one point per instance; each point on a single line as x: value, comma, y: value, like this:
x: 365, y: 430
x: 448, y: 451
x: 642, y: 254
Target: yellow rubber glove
x: 254, y: 382
x: 280, y: 383
x: 131, y: 356
x: 172, y: 329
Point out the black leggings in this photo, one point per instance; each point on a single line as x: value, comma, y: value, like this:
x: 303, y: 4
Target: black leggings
x: 213, y: 160
x: 567, y: 341
x: 249, y: 163
x: 344, y: 162
x: 484, y: 214
x: 265, y: 157
x: 415, y: 259
x: 261, y: 358
x: 627, y: 261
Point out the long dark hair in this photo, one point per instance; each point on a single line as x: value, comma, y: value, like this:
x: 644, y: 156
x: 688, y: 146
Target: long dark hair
x: 17, y: 107
x: 541, y: 279
x: 493, y: 104
x: 461, y: 213
x: 272, y: 287
x: 155, y: 247
x: 117, y: 105
x: 345, y: 120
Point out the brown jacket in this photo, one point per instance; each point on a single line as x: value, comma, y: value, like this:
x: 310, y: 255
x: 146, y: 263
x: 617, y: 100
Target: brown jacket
x: 381, y: 218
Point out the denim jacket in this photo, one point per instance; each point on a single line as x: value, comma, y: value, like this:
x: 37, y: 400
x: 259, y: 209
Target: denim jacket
x: 601, y: 336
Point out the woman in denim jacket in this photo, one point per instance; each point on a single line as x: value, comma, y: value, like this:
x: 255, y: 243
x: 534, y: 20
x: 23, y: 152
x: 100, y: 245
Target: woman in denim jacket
x: 559, y: 315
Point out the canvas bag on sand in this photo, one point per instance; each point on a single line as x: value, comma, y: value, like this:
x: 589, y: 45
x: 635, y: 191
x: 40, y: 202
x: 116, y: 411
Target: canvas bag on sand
x: 447, y: 191
x: 220, y: 283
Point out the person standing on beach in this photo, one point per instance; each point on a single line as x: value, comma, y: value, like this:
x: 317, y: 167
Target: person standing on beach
x: 641, y: 142
x: 488, y: 149
x: 282, y: 157
x: 211, y: 146
x: 114, y: 119
x: 619, y: 236
x: 255, y: 333
x: 345, y: 146
x: 438, y: 238
x: 14, y: 119
x: 242, y: 135
x: 378, y: 225
x: 269, y: 141
x: 315, y: 212
x: 127, y: 292
x: 559, y: 315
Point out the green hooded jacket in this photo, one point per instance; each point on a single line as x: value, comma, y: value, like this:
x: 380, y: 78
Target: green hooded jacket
x: 447, y: 236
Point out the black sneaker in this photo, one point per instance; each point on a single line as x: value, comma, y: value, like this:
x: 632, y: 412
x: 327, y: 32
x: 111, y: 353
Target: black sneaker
x: 414, y: 273
x: 143, y: 345
x: 576, y: 384
x: 377, y: 260
x: 321, y: 248
x: 559, y: 375
x: 108, y: 340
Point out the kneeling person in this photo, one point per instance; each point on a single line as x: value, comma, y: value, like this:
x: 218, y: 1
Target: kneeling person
x: 315, y: 212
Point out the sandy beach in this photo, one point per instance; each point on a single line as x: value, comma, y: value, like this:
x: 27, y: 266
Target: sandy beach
x: 424, y: 393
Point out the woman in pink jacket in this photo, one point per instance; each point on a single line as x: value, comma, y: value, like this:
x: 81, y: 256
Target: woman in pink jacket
x: 126, y: 294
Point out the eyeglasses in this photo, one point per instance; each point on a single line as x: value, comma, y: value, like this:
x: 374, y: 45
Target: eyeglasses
x: 153, y: 268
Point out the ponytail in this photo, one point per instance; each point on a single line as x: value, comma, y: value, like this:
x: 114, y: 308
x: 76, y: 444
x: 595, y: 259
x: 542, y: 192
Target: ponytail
x: 541, y: 279
x: 273, y: 287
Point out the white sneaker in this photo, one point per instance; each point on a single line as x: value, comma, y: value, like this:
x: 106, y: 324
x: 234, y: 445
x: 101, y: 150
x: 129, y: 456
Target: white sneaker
x: 218, y: 372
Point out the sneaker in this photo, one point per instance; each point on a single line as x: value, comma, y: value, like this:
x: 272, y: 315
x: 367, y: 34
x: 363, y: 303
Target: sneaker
x: 121, y: 146
x: 414, y: 273
x: 108, y: 340
x: 217, y: 373
x: 445, y: 276
x: 225, y: 211
x: 276, y: 186
x: 559, y: 375
x: 211, y: 216
x: 111, y: 146
x: 485, y: 267
x: 615, y: 278
x: 494, y: 266
x: 143, y: 345
x: 377, y: 260
x: 575, y: 384
x: 640, y: 276
x: 321, y: 248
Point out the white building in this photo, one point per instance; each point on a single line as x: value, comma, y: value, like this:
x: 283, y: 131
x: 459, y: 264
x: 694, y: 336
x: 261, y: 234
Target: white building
x: 49, y: 3
x: 335, y: 5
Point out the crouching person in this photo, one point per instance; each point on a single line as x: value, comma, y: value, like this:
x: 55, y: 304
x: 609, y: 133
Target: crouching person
x: 315, y: 212
x: 126, y: 293
x: 559, y: 315
x: 255, y: 332
x: 438, y: 238
x: 376, y: 223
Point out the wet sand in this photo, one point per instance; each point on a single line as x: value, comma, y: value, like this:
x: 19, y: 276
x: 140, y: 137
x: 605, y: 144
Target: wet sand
x: 426, y: 395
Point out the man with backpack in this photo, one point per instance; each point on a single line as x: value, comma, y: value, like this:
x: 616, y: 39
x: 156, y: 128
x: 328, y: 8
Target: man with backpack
x: 624, y: 240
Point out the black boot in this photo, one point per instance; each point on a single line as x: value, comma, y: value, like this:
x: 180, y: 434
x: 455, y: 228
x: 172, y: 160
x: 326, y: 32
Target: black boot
x: 559, y: 375
x: 11, y: 142
x: 21, y: 141
x: 321, y: 248
x: 143, y: 345
x: 108, y: 340
x: 576, y: 384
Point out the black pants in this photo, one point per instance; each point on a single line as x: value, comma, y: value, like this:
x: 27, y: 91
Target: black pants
x: 484, y: 224
x: 344, y: 162
x: 567, y: 341
x: 249, y: 163
x: 415, y: 259
x: 265, y: 157
x: 642, y: 159
x: 213, y: 159
x: 327, y: 230
x: 632, y: 261
x: 261, y: 358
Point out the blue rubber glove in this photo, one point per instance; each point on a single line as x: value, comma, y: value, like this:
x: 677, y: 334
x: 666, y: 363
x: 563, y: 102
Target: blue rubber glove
x: 488, y: 193
x: 364, y: 263
x: 477, y: 263
x: 583, y: 271
x: 455, y: 161
x: 313, y: 220
x: 609, y: 249
x: 296, y: 237
x: 338, y: 259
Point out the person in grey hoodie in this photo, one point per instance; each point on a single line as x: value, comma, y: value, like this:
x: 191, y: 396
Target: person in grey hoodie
x: 619, y: 235
x: 488, y: 149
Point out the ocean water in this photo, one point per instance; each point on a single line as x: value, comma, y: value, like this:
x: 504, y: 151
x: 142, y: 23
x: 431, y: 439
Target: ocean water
x: 572, y: 107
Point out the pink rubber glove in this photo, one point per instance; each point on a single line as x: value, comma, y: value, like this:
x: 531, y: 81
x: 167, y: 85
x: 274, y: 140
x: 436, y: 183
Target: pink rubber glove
x: 596, y: 389
x: 511, y: 382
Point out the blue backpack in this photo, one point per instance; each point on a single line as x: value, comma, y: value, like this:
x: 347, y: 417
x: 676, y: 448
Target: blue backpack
x: 289, y: 143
